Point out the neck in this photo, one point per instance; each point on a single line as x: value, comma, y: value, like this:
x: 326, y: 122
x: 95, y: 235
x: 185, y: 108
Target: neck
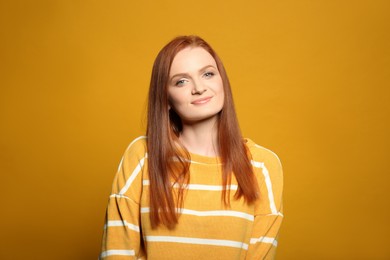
x: 201, y: 138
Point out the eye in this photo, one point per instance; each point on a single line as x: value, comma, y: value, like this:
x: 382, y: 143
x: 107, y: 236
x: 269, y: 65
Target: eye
x: 209, y: 74
x: 180, y: 82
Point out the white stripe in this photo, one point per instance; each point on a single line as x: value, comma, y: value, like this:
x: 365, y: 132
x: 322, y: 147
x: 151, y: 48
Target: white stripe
x: 145, y: 210
x: 268, y: 184
x: 197, y: 241
x: 270, y: 192
x: 133, y: 175
x: 198, y: 186
x: 257, y: 164
x: 120, y: 223
x: 135, y: 140
x: 210, y: 213
x: 277, y: 214
x: 269, y: 240
x: 119, y: 196
x: 117, y: 252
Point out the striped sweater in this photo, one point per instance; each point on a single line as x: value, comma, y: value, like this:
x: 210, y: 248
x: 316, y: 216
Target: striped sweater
x: 207, y: 229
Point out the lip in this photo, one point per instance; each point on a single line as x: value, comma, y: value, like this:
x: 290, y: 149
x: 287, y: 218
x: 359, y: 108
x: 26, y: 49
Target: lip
x: 200, y: 101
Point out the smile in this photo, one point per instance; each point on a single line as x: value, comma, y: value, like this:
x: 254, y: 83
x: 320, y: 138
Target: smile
x: 201, y: 101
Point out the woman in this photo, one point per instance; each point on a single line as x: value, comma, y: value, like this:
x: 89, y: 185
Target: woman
x: 193, y: 188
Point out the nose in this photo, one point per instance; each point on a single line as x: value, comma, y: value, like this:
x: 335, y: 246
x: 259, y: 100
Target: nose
x: 198, y: 88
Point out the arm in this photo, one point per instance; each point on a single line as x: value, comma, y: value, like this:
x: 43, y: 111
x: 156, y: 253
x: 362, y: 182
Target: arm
x: 121, y: 237
x: 268, y: 210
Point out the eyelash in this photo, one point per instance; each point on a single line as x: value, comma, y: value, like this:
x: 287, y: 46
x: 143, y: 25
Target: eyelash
x: 209, y: 74
x: 206, y: 74
x: 179, y: 82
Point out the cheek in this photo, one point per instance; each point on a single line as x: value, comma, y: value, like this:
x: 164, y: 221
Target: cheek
x: 176, y: 99
x: 222, y: 99
x: 221, y: 92
x: 219, y: 86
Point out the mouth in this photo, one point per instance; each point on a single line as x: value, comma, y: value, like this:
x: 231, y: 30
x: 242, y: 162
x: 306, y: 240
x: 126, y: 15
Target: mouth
x: 201, y: 100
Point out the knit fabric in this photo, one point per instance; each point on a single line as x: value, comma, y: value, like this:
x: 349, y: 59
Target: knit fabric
x: 207, y: 229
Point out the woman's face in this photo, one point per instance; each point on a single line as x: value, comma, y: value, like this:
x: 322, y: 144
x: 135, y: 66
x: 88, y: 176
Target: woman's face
x: 195, y: 88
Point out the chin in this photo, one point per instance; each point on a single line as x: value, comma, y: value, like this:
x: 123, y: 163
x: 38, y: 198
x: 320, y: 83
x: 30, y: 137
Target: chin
x: 201, y: 118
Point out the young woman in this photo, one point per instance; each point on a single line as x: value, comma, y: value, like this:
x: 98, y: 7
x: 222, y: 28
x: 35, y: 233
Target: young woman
x: 193, y: 187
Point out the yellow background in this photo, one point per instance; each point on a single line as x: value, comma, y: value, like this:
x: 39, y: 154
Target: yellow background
x: 310, y: 79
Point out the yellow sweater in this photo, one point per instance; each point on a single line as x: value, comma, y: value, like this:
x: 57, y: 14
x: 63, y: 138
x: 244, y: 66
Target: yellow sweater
x: 206, y: 228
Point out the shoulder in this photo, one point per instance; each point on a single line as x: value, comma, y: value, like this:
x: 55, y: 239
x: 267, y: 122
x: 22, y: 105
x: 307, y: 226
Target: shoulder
x: 267, y: 167
x: 269, y: 173
x: 128, y: 180
x: 137, y: 146
x: 265, y: 161
x: 261, y: 154
x: 135, y: 151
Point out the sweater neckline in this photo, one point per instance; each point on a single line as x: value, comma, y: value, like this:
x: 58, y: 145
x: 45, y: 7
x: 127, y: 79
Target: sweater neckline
x: 202, y: 159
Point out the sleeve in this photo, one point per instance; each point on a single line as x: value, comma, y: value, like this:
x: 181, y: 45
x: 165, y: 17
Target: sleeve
x: 268, y: 210
x: 122, y: 229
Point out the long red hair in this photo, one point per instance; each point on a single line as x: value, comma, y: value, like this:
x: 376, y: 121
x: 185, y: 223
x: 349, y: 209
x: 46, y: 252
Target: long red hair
x: 168, y: 160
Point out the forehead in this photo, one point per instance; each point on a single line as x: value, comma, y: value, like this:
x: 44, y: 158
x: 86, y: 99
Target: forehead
x: 191, y: 59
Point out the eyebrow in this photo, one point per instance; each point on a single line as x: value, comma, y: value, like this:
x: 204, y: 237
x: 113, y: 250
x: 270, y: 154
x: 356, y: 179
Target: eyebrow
x: 186, y: 74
